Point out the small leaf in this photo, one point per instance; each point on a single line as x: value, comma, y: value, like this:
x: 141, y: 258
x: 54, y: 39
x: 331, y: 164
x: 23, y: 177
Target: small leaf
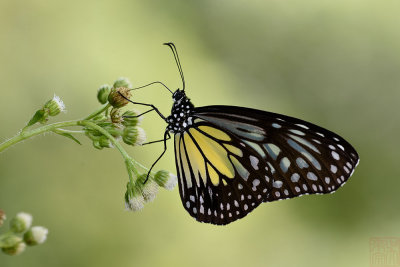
x: 67, y: 135
x: 39, y: 116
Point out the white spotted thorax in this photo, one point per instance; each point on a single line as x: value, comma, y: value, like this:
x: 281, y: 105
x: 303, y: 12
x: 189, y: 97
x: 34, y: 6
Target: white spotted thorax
x: 181, y: 113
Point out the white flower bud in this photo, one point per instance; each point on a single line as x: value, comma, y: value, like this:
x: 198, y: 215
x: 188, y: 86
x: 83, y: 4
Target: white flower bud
x: 134, y: 136
x: 21, y: 222
x: 149, y: 189
x: 166, y: 179
x: 16, y: 249
x: 36, y: 235
x: 122, y: 82
x: 55, y: 106
x: 134, y: 199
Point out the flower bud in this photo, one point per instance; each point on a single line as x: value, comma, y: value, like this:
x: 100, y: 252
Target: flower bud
x: 105, y: 142
x: 21, y: 222
x: 122, y: 82
x: 103, y: 92
x: 134, y: 199
x: 2, y: 217
x: 118, y: 97
x: 96, y: 144
x: 149, y: 189
x: 54, y: 106
x: 134, y: 136
x: 165, y: 179
x: 17, y: 248
x: 114, y: 129
x: 115, y: 115
x: 130, y: 118
x: 36, y: 235
x: 10, y: 241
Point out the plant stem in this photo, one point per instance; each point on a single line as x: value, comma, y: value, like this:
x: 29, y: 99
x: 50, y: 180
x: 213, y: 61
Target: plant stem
x: 94, y: 114
x: 130, y: 163
x: 30, y: 133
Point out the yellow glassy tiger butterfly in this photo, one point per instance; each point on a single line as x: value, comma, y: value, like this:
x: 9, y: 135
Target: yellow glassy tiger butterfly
x: 231, y: 159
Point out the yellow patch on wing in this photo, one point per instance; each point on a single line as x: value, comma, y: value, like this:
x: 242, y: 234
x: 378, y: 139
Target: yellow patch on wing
x: 234, y: 150
x: 218, y: 134
x: 214, y: 177
x: 196, y: 160
x: 185, y: 165
x: 214, y: 152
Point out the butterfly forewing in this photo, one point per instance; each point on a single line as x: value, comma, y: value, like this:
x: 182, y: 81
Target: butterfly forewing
x: 302, y: 158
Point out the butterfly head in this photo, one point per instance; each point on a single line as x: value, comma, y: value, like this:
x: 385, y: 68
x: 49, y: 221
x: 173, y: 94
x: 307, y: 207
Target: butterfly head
x: 178, y: 95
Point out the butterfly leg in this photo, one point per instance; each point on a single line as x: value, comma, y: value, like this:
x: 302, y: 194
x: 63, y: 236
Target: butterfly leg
x: 139, y: 114
x: 148, y: 105
x: 166, y: 137
x: 152, y: 142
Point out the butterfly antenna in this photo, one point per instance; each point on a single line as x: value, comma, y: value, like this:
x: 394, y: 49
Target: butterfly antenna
x: 152, y: 84
x: 178, y: 63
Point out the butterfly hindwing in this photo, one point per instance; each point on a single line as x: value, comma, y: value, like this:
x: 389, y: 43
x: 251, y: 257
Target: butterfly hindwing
x: 220, y: 178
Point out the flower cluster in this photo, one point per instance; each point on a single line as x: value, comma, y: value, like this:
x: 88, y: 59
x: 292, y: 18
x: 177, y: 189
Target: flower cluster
x: 21, y: 234
x: 108, y: 127
x: 146, y: 187
x: 141, y: 188
x: 123, y: 126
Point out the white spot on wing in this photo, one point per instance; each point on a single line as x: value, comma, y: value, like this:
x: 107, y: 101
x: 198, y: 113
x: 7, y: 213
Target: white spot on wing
x: 301, y: 163
x: 297, y: 132
x: 335, y: 155
x: 302, y: 126
x: 256, y: 182
x: 285, y: 163
x: 254, y: 162
x: 333, y: 168
x: 295, y: 177
x: 312, y: 176
x: 277, y: 184
x: 275, y: 125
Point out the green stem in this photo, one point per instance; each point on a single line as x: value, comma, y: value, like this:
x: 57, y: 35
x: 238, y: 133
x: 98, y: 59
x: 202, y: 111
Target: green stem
x: 70, y: 131
x: 130, y: 163
x: 94, y: 114
x: 23, y: 135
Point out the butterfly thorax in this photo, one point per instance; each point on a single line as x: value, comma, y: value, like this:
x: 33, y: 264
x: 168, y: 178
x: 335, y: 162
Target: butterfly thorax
x: 181, y: 113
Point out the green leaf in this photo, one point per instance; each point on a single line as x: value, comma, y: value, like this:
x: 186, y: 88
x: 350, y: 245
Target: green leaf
x: 70, y: 136
x: 39, y: 116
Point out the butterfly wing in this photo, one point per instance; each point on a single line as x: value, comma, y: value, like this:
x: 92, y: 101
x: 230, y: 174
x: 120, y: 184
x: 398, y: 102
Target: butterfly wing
x: 217, y: 182
x: 271, y: 156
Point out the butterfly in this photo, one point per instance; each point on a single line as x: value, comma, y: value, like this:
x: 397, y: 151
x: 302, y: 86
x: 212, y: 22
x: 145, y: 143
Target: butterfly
x: 231, y: 159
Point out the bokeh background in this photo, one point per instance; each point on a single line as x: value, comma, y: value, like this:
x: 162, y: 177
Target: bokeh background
x: 333, y: 63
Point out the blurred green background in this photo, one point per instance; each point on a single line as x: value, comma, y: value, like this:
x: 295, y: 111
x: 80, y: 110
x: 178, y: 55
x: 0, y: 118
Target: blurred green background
x: 333, y: 63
